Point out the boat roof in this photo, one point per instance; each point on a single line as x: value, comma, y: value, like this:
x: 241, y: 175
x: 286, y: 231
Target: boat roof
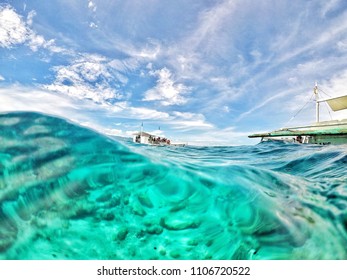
x: 143, y: 133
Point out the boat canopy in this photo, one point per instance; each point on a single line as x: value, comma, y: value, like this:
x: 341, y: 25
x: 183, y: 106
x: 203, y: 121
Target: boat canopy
x: 309, y: 132
x: 337, y: 103
x: 324, y: 128
x: 142, y: 133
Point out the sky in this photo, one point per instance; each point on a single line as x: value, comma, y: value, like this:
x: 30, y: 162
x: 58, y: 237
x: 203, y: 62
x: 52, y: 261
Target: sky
x: 206, y: 72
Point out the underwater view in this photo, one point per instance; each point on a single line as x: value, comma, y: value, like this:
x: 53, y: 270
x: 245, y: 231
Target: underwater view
x: 67, y: 192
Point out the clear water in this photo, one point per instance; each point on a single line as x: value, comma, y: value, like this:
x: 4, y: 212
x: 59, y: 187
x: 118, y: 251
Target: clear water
x: 69, y: 193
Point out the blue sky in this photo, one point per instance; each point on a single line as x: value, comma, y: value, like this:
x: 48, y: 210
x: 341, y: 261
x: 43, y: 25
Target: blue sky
x: 206, y: 72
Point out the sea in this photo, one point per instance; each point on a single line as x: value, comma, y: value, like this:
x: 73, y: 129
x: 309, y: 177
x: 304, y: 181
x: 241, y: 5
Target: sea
x: 71, y: 193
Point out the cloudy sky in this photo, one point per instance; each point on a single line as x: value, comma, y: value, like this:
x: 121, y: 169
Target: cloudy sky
x: 205, y: 72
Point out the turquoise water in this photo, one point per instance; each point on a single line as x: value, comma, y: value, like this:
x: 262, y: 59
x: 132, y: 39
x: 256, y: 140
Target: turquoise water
x: 70, y: 193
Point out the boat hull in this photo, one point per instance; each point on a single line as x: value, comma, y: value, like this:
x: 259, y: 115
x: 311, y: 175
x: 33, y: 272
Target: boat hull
x: 328, y: 139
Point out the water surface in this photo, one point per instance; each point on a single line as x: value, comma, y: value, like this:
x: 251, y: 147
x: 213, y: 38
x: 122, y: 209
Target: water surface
x: 67, y: 192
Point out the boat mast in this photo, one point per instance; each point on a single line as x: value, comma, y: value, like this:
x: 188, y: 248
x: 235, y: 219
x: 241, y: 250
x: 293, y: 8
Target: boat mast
x: 315, y: 90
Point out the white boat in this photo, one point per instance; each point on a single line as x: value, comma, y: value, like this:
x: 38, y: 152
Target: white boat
x: 321, y: 132
x: 146, y: 138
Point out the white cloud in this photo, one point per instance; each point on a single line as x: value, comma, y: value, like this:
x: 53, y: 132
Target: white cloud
x: 185, y: 125
x: 37, y: 41
x: 188, y: 116
x: 166, y: 91
x: 92, y: 6
x: 88, y: 77
x: 15, y: 31
x: 260, y: 105
x: 124, y: 65
x: 185, y: 121
x: 226, y: 109
x: 334, y: 87
x: 93, y: 20
x: 328, y: 6
x: 30, y: 17
x: 98, y: 94
x: 196, y: 56
x: 2, y: 78
x: 150, y: 51
x: 342, y: 46
x: 305, y: 38
x: 337, y: 84
x: 146, y: 113
x: 91, y: 71
x: 210, y: 22
x: 93, y: 25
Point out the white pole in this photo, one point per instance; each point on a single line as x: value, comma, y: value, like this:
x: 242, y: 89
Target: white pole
x: 317, y: 103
